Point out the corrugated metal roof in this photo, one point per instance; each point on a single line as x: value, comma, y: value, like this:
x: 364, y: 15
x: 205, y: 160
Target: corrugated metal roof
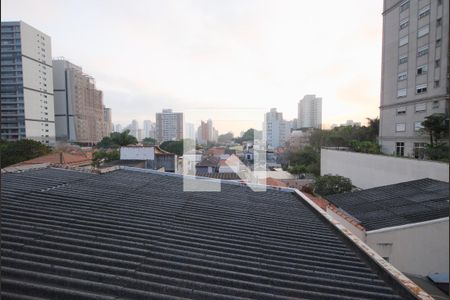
x: 134, y: 235
x: 396, y: 204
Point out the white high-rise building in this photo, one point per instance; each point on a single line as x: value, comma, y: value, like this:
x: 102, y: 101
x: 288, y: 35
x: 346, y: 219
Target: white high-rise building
x: 414, y: 72
x: 27, y: 102
x: 169, y: 126
x: 149, y: 129
x: 275, y: 129
x: 310, y: 112
x: 134, y: 129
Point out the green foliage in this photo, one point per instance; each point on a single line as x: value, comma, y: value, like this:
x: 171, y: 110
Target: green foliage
x: 248, y: 136
x: 365, y: 147
x: 149, y: 141
x: 437, y: 152
x: 177, y: 147
x: 306, y: 160
x: 18, y: 151
x: 225, y: 138
x: 117, y: 139
x: 104, y: 156
x: 436, y: 125
x: 342, y: 136
x: 332, y: 184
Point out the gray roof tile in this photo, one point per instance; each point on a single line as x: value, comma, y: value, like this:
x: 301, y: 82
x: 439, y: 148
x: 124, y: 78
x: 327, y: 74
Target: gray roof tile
x: 134, y: 235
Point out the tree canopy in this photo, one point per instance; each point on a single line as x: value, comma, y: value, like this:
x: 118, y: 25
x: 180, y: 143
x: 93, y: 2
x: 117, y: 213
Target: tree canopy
x: 177, y: 147
x: 17, y: 151
x: 332, y: 184
x: 148, y: 141
x: 117, y: 139
x: 226, y: 138
x: 436, y: 125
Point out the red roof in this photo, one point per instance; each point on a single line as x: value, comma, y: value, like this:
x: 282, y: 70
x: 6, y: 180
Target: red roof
x: 59, y: 158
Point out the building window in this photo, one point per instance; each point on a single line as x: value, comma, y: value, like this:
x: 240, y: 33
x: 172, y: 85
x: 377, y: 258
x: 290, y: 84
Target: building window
x: 424, y: 11
x: 400, y: 127
x: 421, y: 88
x: 438, y: 22
x: 419, y: 150
x: 400, y: 148
x: 402, y: 76
x: 401, y: 93
x: 422, y: 51
x: 404, y: 23
x: 404, y: 6
x: 436, y: 83
x: 435, y: 104
x: 417, y: 126
x: 438, y: 43
x: 420, y: 107
x: 423, y: 31
x: 437, y: 63
x: 403, y: 59
x: 401, y: 111
x: 439, y: 2
x: 403, y: 41
x: 422, y: 70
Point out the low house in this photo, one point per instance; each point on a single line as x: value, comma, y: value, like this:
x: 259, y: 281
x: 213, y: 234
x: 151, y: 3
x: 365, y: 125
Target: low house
x: 216, y: 151
x: 135, y: 234
x: 230, y: 164
x: 148, y: 157
x: 208, y: 164
x: 406, y: 223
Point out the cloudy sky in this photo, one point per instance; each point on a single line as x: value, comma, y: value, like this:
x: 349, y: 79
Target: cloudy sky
x: 218, y: 54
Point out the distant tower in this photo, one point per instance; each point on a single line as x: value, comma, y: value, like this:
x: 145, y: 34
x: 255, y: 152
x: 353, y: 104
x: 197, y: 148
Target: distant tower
x: 310, y: 112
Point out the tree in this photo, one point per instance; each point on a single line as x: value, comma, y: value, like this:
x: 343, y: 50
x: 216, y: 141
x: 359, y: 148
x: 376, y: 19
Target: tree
x: 117, y: 139
x: 373, y: 128
x: 436, y: 125
x: 177, y: 147
x: 104, y: 156
x: 225, y: 138
x: 148, y: 141
x: 365, y: 147
x: 306, y: 160
x: 332, y: 184
x: 18, y: 151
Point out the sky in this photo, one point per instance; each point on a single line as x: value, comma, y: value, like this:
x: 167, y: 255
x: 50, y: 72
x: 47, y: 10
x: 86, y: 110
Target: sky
x: 213, y: 55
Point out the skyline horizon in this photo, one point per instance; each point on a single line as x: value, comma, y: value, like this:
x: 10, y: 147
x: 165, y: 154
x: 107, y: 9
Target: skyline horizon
x: 199, y: 54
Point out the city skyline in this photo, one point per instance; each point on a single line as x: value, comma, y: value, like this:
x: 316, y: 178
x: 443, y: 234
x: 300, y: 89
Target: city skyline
x: 197, y: 55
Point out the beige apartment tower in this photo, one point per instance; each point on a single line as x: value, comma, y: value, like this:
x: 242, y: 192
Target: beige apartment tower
x: 79, y: 110
x: 169, y: 126
x: 414, y: 72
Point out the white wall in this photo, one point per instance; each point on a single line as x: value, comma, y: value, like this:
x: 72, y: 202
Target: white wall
x: 419, y: 248
x: 370, y: 170
x: 137, y: 153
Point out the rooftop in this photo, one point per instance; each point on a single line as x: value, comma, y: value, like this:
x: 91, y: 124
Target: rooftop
x: 130, y: 234
x: 397, y: 204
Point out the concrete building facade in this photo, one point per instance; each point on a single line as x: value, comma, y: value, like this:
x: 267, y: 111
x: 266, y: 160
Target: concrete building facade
x: 414, y: 69
x: 206, y: 133
x: 275, y: 129
x: 79, y: 106
x: 27, y: 103
x: 310, y: 112
x: 169, y: 126
x: 107, y: 117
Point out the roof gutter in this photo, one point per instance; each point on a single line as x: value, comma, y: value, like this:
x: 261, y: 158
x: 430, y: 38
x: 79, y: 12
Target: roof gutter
x: 402, y: 284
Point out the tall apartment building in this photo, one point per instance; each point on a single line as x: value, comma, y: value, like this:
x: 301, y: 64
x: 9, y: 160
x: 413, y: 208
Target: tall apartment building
x: 169, y: 126
x: 149, y: 129
x: 27, y: 107
x: 207, y: 133
x: 107, y: 118
x: 78, y: 104
x: 275, y: 129
x: 414, y: 69
x: 310, y: 112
